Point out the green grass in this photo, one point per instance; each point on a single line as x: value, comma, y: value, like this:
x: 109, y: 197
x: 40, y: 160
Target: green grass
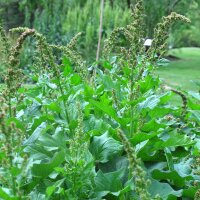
x: 182, y: 72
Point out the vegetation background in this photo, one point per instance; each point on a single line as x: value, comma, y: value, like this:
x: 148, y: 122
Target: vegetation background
x: 60, y: 20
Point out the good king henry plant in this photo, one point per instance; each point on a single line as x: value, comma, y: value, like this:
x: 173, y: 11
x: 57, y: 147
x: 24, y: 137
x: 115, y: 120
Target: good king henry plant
x: 110, y: 134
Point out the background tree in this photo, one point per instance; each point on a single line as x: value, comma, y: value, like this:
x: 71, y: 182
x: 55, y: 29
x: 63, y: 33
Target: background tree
x: 59, y: 20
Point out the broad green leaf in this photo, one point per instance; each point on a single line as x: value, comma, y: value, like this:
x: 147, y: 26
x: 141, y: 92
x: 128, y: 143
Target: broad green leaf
x: 96, y: 126
x: 152, y: 125
x: 107, y: 65
x: 35, y: 122
x: 174, y: 140
x: 150, y: 102
x: 75, y: 79
x: 39, y: 130
x: 160, y: 111
x: 164, y: 190
x: 184, y: 167
x: 108, y: 183
x: 193, y: 105
x: 54, y: 107
x: 56, y: 186
x: 5, y: 196
x: 44, y: 169
x: 50, y: 190
x: 140, y: 137
x: 173, y: 176
x: 195, y: 114
x: 34, y: 92
x: 33, y: 110
x: 190, y: 192
x: 148, y: 83
x: 37, y: 152
x: 55, y: 141
x: 104, y: 148
x: 107, y: 109
x: 196, y: 95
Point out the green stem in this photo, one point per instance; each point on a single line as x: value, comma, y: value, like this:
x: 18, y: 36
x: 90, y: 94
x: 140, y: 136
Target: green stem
x: 9, y: 106
x: 131, y: 99
x: 64, y: 104
x: 11, y: 143
x: 12, y: 177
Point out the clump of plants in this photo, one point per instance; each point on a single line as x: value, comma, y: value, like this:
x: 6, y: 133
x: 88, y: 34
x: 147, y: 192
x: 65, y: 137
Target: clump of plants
x: 111, y: 134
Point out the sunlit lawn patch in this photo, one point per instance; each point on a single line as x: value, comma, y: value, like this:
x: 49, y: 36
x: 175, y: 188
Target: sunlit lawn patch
x: 183, y: 72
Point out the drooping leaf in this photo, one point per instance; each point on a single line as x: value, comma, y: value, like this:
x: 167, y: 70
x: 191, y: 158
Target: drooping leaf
x: 39, y: 130
x: 44, y: 169
x: 150, y: 102
x: 107, y: 109
x: 104, y: 147
x: 173, y: 176
x: 164, y: 190
x: 108, y: 183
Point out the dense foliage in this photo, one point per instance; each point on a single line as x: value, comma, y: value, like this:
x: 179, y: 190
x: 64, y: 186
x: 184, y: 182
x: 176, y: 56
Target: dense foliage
x: 107, y: 132
x: 59, y: 20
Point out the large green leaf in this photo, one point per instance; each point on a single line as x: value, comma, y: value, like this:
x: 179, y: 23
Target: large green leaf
x: 150, y: 102
x: 164, y: 190
x: 195, y: 115
x: 44, y: 169
x: 190, y: 191
x: 196, y: 95
x: 140, y: 137
x: 173, y: 176
x: 104, y: 148
x: 38, y: 152
x: 174, y: 140
x: 107, y: 109
x: 53, y: 142
x: 5, y: 196
x: 39, y: 130
x: 152, y: 125
x: 108, y: 183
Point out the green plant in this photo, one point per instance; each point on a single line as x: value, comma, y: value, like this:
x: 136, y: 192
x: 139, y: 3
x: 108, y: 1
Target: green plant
x: 112, y: 136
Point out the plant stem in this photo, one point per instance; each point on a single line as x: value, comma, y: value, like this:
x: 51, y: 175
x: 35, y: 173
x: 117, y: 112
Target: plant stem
x: 64, y: 104
x: 100, y: 30
x: 132, y: 98
x: 10, y: 141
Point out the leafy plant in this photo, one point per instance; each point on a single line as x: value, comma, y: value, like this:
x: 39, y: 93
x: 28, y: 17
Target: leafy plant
x: 111, y: 135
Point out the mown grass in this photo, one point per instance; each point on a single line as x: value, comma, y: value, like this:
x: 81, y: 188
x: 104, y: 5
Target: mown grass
x: 183, y: 72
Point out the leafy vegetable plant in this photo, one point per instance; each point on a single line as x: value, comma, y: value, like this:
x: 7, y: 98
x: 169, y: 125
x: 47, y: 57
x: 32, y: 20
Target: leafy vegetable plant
x: 112, y: 134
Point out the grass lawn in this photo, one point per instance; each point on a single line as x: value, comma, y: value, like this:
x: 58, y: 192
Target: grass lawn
x: 182, y: 72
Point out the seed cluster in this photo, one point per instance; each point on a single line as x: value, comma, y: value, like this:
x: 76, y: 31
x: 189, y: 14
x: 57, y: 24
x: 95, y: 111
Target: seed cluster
x: 161, y: 34
x: 137, y: 172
